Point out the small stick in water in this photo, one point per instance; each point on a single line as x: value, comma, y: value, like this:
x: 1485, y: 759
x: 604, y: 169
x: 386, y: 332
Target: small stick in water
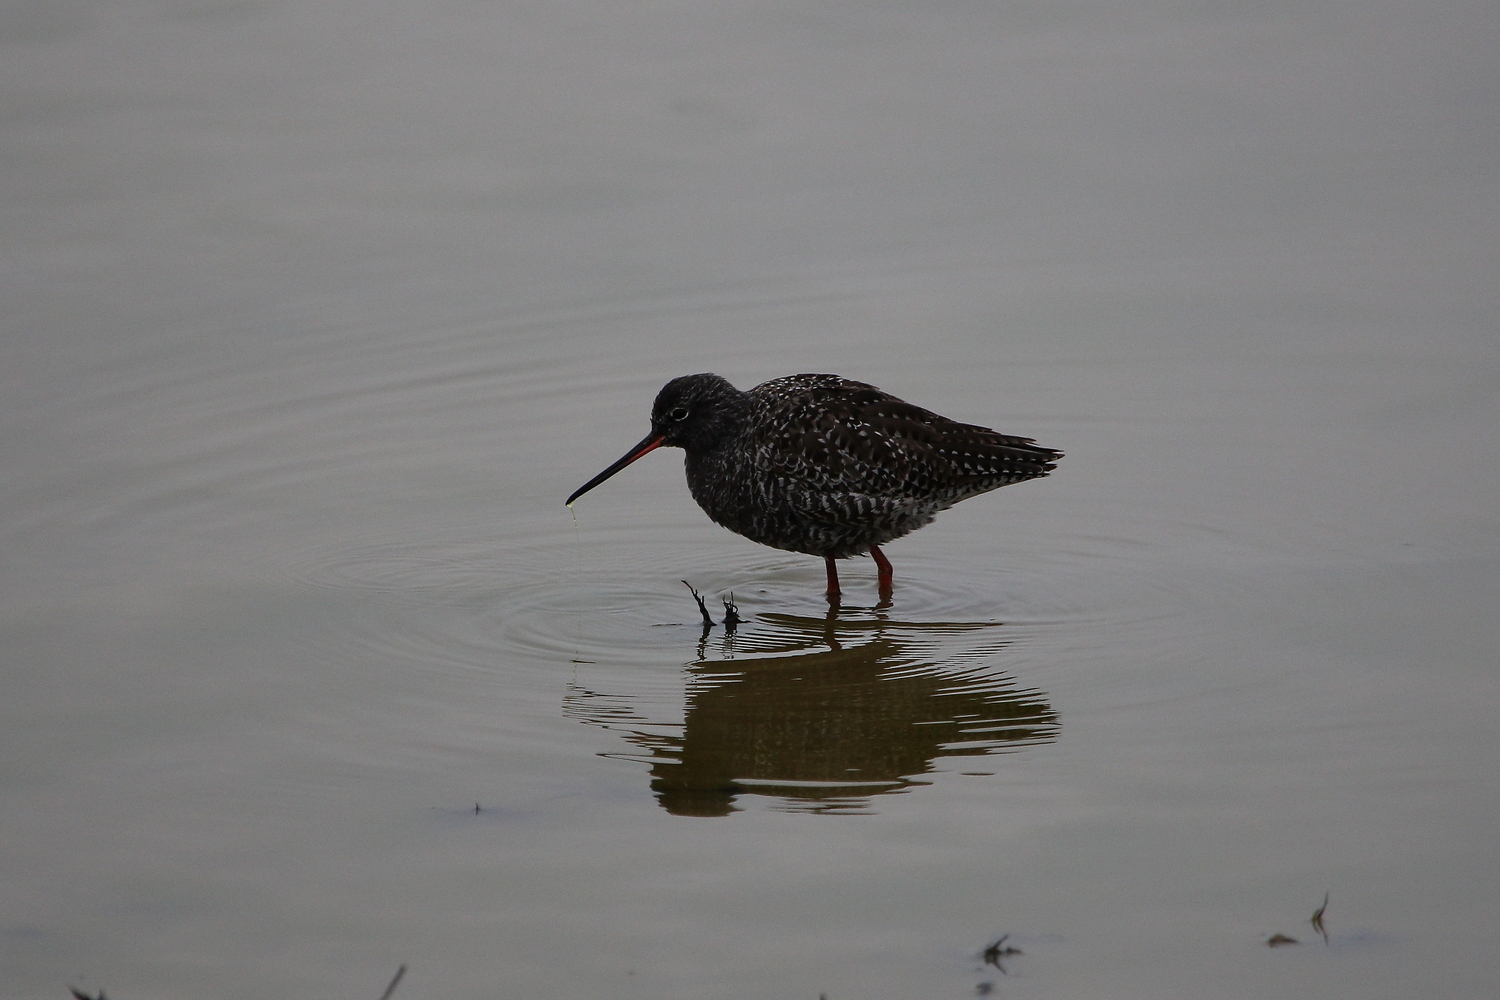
x: 394, y: 980
x: 1317, y: 919
x: 996, y: 953
x: 707, y: 621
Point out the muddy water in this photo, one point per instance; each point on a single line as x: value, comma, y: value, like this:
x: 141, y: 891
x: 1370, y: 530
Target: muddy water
x: 316, y: 313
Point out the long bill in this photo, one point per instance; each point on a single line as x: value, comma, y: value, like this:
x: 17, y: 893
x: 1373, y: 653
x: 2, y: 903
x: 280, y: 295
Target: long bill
x: 649, y: 443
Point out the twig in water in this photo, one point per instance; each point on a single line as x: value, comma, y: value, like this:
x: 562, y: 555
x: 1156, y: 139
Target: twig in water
x: 394, y: 980
x: 707, y: 621
x: 995, y: 953
x: 1317, y: 919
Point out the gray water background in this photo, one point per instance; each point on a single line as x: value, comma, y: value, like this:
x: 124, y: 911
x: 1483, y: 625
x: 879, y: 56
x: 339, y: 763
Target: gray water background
x: 313, y: 313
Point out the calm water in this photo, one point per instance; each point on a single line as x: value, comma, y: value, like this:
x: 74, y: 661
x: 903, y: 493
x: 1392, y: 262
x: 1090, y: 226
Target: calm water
x: 314, y: 314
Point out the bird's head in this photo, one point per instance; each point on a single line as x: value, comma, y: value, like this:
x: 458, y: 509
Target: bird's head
x: 693, y: 412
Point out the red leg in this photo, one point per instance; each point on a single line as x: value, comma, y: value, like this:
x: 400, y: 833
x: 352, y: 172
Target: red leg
x: 833, y: 577
x: 883, y: 565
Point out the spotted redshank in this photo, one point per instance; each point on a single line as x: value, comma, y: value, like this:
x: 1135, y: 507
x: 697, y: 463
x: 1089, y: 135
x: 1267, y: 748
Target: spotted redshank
x: 823, y: 465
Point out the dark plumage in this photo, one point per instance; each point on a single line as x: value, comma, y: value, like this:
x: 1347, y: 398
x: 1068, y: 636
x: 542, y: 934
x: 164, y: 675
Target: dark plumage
x: 823, y: 465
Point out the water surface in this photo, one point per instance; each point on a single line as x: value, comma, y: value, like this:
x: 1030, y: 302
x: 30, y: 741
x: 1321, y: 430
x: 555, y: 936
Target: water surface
x: 315, y: 313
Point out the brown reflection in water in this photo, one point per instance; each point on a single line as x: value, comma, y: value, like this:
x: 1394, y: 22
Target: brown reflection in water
x: 825, y: 714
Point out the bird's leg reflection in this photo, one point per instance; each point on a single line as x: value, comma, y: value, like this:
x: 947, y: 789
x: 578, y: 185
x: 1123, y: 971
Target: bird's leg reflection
x: 831, y: 627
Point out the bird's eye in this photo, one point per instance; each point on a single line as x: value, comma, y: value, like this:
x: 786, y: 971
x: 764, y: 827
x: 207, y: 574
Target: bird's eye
x: 678, y: 413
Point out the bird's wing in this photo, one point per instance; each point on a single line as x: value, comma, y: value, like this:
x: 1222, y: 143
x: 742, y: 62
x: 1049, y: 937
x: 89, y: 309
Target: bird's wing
x: 847, y: 437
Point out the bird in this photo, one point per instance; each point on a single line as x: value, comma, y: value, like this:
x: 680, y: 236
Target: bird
x: 824, y: 465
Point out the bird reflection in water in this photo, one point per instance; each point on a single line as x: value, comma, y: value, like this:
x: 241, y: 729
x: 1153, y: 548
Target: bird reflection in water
x: 824, y: 714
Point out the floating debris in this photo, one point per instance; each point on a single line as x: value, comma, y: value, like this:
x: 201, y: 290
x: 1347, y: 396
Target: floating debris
x: 708, y: 622
x: 995, y: 954
x: 1317, y: 919
x: 1277, y: 940
x: 394, y: 980
x: 731, y: 610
